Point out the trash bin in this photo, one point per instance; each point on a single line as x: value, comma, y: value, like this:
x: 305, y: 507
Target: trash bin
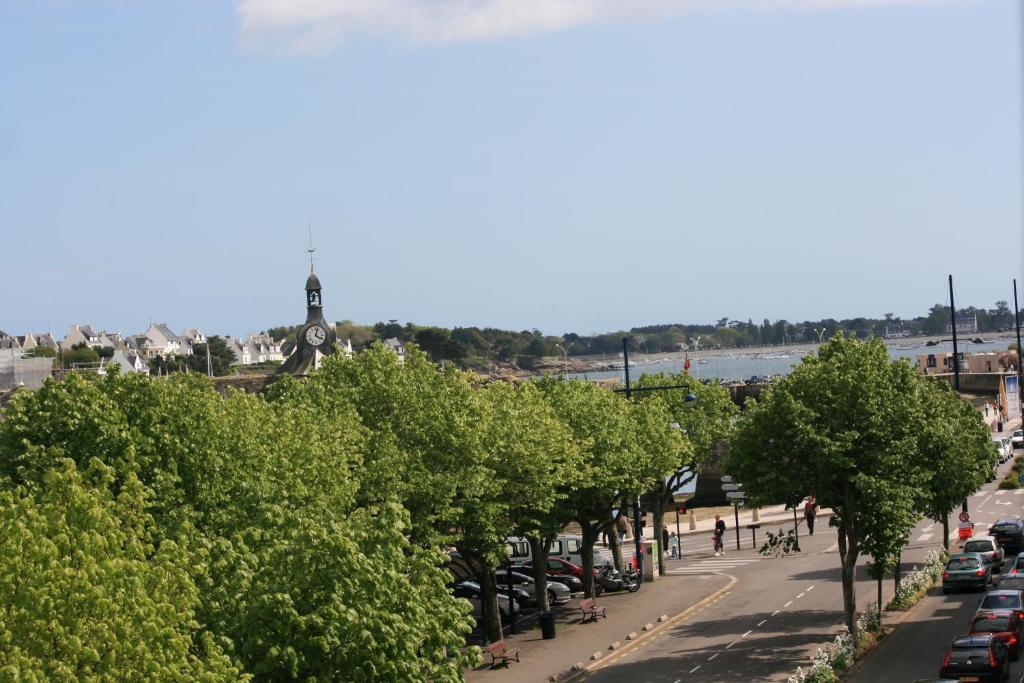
x: 999, y: 426
x: 547, y: 625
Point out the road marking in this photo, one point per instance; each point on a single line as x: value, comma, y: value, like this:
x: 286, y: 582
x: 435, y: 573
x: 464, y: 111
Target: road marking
x: 776, y: 612
x: 730, y: 645
x: 810, y: 589
x: 1003, y: 502
x: 746, y: 634
x: 924, y: 537
x: 1018, y: 492
x: 799, y: 596
x: 694, y: 668
x: 787, y: 604
x: 762, y: 623
x: 713, y: 656
x: 1000, y: 492
x: 932, y: 525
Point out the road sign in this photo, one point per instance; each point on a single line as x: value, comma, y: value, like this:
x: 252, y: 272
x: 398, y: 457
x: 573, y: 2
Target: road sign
x: 964, y: 517
x: 731, y: 487
x: 727, y: 479
x: 736, y: 495
x: 680, y: 510
x: 1021, y: 477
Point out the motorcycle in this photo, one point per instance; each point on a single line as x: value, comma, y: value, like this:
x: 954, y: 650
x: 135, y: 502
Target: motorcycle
x: 611, y: 579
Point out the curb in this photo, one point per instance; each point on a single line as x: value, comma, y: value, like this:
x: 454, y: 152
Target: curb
x: 649, y: 630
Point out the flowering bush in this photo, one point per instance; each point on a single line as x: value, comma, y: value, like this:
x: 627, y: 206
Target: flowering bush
x: 914, y: 585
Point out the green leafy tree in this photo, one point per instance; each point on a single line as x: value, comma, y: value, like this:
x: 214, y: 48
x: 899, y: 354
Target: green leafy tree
x: 957, y: 449
x: 704, y: 413
x: 80, y: 354
x: 86, y: 596
x: 843, y: 426
x: 625, y: 448
x: 221, y: 357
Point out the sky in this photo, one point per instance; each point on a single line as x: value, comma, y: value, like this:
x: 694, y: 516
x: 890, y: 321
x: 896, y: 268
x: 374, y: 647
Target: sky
x: 566, y: 165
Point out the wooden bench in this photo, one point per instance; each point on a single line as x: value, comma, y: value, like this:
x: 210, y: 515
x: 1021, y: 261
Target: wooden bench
x: 499, y: 652
x: 591, y: 611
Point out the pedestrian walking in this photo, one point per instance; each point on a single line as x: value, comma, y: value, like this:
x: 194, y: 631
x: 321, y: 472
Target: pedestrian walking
x: 719, y: 535
x: 664, y: 537
x: 810, y: 512
x: 673, y: 546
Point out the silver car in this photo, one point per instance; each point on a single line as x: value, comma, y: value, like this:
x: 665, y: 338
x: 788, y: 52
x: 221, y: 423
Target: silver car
x: 557, y: 592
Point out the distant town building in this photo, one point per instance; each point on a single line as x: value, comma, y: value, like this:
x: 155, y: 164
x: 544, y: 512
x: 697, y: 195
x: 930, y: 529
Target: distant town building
x: 128, y: 361
x: 81, y: 334
x: 987, y: 361
x: 896, y: 331
x: 163, y: 342
x: 965, y: 324
x: 395, y: 345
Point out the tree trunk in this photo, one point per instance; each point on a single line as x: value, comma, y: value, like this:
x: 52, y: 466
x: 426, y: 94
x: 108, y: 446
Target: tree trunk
x: 897, y: 573
x: 587, y: 553
x: 538, y: 550
x: 848, y: 551
x: 945, y: 531
x: 880, y: 600
x: 489, y: 598
x: 659, y: 524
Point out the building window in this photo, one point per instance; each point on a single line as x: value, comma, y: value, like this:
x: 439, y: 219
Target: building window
x: 931, y: 362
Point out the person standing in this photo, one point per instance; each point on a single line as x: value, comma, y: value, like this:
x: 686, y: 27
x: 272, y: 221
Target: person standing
x: 810, y: 512
x: 719, y: 535
x: 622, y: 526
x: 673, y: 546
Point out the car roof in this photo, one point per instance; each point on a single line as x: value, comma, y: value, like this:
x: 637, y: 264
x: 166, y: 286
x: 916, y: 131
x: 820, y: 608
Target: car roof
x: 960, y: 556
x: 1006, y: 591
x: 972, y: 640
x: 981, y: 537
x: 1007, y: 520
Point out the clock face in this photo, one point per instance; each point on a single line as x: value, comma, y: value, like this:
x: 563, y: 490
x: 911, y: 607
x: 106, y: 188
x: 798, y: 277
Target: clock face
x: 316, y: 335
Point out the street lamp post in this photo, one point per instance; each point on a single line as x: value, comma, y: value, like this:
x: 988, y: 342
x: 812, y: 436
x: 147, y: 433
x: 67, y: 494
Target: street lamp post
x: 821, y: 334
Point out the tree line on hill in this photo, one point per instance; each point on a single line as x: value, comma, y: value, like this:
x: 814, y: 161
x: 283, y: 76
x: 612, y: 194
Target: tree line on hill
x: 475, y: 346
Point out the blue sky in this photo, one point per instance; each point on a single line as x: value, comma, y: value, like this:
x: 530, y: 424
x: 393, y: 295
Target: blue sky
x: 569, y: 165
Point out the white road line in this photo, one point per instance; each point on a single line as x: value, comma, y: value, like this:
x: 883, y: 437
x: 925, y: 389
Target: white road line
x: 923, y: 537
x: 799, y: 596
x: 1001, y: 492
x: 1018, y: 492
x: 713, y: 656
x: 762, y: 623
x: 787, y: 604
x: 776, y: 612
x: 730, y: 645
x: 932, y: 525
x: 746, y: 634
x: 694, y: 668
x: 810, y: 589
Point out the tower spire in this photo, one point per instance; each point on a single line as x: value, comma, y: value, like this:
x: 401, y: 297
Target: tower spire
x: 311, y: 250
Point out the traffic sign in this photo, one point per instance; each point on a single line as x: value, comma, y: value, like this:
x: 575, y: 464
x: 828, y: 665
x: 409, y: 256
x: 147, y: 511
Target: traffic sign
x: 727, y: 479
x: 681, y: 510
x: 736, y: 495
x: 964, y: 517
x: 731, y: 487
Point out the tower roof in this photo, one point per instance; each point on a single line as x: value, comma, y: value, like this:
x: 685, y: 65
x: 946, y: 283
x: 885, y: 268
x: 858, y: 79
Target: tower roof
x: 312, y: 282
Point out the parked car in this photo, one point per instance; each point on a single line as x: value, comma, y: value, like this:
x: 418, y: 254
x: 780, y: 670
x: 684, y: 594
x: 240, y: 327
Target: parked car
x: 470, y: 590
x: 1009, y: 533
x: 1017, y: 565
x: 1003, y: 599
x: 573, y: 583
x: 568, y: 547
x: 989, y: 549
x: 965, y: 570
x: 1004, y: 446
x: 1003, y: 624
x: 560, y: 566
x: 981, y: 657
x: 1017, y: 439
x: 557, y: 592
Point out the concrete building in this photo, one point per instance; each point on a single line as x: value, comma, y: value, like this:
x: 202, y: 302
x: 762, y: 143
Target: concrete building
x: 981, y: 362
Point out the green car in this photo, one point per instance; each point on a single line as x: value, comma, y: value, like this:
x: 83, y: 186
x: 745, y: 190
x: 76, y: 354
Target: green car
x: 966, y: 570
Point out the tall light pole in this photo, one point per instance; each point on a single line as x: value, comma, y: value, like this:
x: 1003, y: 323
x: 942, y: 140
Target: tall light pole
x: 565, y: 355
x: 821, y: 334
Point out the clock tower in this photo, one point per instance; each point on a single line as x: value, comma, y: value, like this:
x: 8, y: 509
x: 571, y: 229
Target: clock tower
x: 315, y: 338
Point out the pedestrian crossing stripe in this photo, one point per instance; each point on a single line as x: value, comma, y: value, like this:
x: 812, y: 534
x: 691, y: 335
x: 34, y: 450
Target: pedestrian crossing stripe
x: 1001, y: 492
x: 1018, y: 492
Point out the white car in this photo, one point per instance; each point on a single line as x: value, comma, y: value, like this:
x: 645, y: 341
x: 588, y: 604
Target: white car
x: 1018, y: 439
x: 557, y: 592
x: 1004, y: 447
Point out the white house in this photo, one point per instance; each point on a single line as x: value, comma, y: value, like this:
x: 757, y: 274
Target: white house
x: 81, y: 334
x: 163, y: 342
x: 394, y: 344
x: 129, y: 361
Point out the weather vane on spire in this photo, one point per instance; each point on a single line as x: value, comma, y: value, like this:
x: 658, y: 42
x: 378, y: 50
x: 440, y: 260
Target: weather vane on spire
x: 311, y: 249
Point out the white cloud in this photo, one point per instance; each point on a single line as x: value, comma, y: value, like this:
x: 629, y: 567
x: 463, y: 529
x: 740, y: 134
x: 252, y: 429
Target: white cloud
x: 317, y: 25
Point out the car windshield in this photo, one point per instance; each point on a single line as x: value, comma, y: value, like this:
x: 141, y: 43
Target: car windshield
x: 965, y: 653
x: 958, y: 563
x: 978, y: 546
x: 991, y: 623
x: 1004, y: 528
x: 997, y: 601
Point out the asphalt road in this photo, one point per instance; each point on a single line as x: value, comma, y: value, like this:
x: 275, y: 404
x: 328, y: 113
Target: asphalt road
x: 783, y: 609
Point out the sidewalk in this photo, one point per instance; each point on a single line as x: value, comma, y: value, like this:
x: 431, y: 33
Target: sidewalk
x: 576, y: 642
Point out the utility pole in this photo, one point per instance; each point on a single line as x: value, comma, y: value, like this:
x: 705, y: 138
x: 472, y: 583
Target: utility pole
x: 638, y: 529
x: 209, y: 363
x: 956, y: 356
x: 1020, y: 351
